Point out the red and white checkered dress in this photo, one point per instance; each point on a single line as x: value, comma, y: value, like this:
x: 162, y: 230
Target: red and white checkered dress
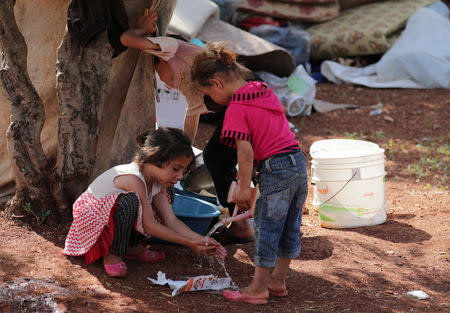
x: 92, y: 210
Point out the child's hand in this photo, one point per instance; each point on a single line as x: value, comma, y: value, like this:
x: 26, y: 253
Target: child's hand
x: 148, y: 22
x: 243, y: 198
x: 219, y: 252
x: 202, y: 247
x: 209, y: 247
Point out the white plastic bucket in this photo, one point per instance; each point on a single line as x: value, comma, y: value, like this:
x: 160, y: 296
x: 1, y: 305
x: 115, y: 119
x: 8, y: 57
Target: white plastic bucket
x: 348, y: 178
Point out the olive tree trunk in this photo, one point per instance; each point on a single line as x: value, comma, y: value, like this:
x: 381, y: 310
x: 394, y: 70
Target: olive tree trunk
x: 43, y: 187
x: 81, y: 82
x: 34, y: 180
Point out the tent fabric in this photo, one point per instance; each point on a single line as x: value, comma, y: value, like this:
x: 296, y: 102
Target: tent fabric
x: 364, y: 30
x: 420, y: 58
x: 86, y: 19
x: 43, y: 36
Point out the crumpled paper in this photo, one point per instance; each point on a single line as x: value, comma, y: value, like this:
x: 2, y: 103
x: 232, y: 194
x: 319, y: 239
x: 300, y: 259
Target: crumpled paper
x: 419, y: 294
x: 205, y: 282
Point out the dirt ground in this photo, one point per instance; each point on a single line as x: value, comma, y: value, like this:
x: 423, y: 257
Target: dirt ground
x: 367, y: 269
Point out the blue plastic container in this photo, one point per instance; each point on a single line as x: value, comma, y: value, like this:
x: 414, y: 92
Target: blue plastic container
x: 195, y: 213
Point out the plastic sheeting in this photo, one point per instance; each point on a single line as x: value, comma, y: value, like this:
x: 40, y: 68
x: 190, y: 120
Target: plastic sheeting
x: 420, y: 58
x: 296, y: 92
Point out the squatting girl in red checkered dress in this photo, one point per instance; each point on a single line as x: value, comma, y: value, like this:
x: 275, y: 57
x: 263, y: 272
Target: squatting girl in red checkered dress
x: 129, y: 202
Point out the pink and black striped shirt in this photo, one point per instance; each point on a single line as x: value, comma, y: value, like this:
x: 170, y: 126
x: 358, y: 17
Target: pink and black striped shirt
x: 255, y: 114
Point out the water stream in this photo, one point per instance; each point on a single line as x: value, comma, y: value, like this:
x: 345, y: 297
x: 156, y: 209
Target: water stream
x: 220, y: 261
x: 214, y: 228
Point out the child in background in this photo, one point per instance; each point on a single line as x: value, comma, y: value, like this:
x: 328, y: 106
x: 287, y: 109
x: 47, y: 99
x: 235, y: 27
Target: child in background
x: 173, y: 64
x: 255, y: 123
x: 173, y: 61
x: 129, y: 202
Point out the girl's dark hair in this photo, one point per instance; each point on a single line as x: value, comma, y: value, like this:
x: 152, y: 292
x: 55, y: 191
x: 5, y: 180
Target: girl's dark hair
x: 215, y: 60
x: 163, y: 145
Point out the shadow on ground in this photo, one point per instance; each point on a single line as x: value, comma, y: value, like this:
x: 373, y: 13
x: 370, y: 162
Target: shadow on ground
x: 394, y: 231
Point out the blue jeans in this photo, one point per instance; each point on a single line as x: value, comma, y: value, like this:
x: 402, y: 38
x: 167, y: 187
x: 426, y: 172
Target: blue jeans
x: 283, y: 187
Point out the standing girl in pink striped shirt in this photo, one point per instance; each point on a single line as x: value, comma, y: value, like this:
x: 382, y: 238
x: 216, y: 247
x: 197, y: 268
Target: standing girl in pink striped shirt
x: 256, y: 125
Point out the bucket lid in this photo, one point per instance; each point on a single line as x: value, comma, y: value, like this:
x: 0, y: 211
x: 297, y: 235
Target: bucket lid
x: 343, y: 148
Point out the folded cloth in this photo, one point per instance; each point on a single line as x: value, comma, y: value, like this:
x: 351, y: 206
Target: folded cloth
x: 253, y: 21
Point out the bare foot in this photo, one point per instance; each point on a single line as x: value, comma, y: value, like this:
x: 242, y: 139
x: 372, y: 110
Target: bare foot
x: 135, y: 250
x: 110, y: 259
x: 260, y: 294
x: 277, y: 287
x: 278, y: 292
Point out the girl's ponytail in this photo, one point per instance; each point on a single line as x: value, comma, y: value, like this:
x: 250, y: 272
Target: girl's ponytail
x: 140, y: 139
x: 224, y: 56
x: 215, y: 60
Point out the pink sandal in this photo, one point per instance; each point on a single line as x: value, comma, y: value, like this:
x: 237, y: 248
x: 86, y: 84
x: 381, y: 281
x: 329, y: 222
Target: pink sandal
x: 237, y: 296
x: 116, y: 270
x: 148, y: 256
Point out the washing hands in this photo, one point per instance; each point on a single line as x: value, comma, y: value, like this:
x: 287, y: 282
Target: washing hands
x: 215, y: 249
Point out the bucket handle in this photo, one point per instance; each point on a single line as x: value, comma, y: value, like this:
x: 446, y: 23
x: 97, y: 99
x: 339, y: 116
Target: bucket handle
x: 354, y: 174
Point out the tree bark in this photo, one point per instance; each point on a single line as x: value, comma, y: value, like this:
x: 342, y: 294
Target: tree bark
x: 81, y: 81
x: 30, y: 165
x: 81, y: 86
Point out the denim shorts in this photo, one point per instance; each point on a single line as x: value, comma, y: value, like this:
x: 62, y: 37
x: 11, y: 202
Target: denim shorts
x: 283, y: 187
